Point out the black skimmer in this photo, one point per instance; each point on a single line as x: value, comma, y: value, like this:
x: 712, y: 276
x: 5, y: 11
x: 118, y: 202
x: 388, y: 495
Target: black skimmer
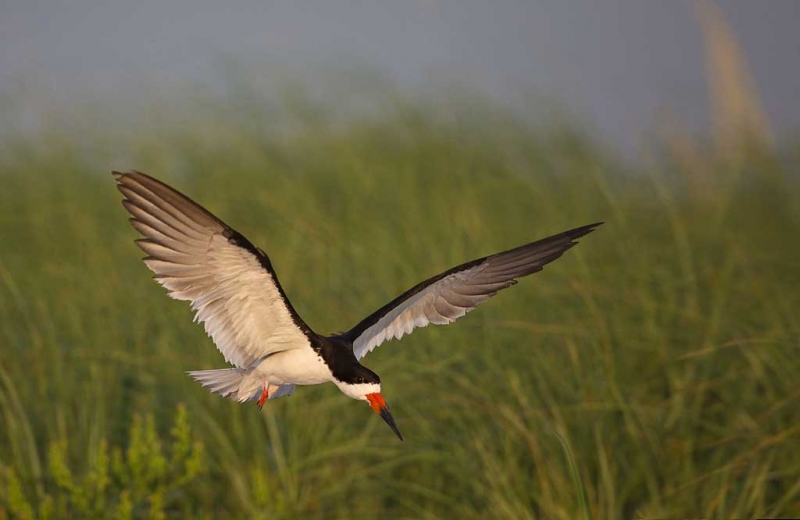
x: 235, y: 292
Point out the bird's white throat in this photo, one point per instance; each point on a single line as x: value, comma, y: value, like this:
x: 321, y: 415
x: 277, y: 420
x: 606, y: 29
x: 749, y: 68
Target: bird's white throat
x: 358, y: 391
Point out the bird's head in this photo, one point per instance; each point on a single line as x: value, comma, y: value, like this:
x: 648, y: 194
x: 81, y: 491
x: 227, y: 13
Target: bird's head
x: 365, y: 385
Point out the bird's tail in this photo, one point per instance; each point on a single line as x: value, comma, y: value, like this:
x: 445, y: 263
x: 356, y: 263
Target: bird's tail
x: 235, y: 383
x: 226, y: 382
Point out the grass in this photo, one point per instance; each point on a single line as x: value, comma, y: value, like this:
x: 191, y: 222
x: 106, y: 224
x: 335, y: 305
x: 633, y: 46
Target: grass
x: 650, y: 373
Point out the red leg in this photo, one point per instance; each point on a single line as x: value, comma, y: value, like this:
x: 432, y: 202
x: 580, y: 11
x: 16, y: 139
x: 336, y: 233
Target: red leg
x: 264, y: 395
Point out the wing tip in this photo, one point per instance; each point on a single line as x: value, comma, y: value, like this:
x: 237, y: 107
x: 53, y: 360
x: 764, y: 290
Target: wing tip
x: 120, y: 177
x: 577, y: 233
x: 125, y: 180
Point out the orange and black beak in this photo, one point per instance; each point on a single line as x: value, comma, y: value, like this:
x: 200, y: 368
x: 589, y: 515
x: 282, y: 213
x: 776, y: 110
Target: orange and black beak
x: 381, y: 408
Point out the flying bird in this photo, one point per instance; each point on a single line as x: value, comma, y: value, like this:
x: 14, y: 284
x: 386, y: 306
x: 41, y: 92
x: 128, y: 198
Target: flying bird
x: 234, y: 290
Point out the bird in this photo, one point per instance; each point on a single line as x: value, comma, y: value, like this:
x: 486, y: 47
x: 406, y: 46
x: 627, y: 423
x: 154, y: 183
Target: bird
x: 234, y: 291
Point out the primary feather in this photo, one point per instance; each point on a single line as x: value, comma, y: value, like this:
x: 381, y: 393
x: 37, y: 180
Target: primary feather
x: 231, y: 285
x: 446, y: 297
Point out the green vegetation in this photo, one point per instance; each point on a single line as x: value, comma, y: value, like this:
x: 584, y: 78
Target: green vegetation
x: 114, y: 486
x: 651, y: 372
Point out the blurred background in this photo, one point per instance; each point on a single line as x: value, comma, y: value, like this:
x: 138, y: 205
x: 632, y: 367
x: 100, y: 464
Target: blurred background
x: 649, y: 373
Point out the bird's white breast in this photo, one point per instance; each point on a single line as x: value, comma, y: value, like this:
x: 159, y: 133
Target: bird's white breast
x: 301, y: 366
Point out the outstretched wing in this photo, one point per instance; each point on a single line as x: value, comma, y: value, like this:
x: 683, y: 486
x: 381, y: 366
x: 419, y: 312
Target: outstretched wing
x: 448, y: 296
x: 196, y: 257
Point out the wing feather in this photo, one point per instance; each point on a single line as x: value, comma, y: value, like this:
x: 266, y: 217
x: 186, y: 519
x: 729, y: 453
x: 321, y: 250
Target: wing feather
x: 448, y: 296
x: 231, y: 285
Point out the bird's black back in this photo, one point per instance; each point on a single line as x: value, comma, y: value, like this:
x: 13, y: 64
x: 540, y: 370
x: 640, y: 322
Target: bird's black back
x: 337, y: 352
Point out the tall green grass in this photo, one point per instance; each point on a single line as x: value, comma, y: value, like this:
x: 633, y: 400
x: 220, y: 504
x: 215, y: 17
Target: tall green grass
x: 649, y: 373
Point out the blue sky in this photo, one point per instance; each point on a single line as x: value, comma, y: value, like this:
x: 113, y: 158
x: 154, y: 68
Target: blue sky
x: 615, y: 63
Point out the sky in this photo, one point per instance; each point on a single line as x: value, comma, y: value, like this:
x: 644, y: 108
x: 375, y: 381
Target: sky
x: 617, y: 64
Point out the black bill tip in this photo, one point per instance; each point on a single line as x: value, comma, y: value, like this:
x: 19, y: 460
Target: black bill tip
x: 387, y: 416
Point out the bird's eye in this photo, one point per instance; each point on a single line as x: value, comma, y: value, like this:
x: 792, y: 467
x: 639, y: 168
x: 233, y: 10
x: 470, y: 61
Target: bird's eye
x: 360, y: 380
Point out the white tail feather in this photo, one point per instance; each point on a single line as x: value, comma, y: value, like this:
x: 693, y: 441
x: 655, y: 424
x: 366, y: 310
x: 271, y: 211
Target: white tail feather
x: 235, y: 384
x: 225, y: 382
